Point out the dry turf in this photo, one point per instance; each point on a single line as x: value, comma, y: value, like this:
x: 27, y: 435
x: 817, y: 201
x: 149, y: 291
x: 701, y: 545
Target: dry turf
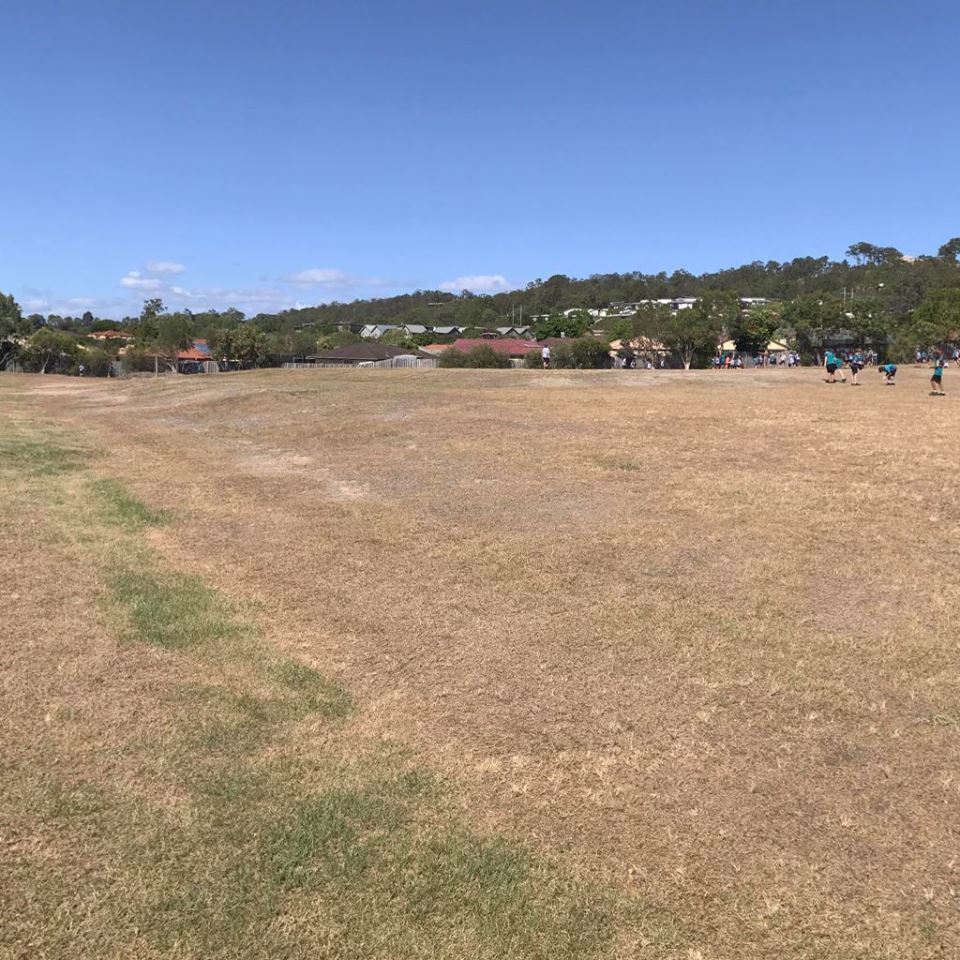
x: 468, y: 664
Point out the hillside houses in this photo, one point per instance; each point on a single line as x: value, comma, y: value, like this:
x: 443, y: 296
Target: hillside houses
x: 374, y: 331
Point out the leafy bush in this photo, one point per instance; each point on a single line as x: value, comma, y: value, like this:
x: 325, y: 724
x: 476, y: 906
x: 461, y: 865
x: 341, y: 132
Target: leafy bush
x: 584, y: 353
x: 452, y: 358
x: 486, y: 356
x: 137, y: 360
x: 97, y: 362
x: 482, y: 356
x: 50, y: 351
x: 533, y: 360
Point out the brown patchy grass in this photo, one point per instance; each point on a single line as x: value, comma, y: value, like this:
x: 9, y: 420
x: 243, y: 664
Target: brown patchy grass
x: 691, y: 637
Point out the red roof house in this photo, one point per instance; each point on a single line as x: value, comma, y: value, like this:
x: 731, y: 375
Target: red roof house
x: 513, y: 348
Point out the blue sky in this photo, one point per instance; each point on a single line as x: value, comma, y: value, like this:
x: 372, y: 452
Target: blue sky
x: 264, y: 154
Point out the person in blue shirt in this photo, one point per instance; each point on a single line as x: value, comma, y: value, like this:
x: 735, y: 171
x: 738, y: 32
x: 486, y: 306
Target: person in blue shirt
x: 833, y: 364
x: 856, y: 365
x: 936, y: 381
x: 889, y: 371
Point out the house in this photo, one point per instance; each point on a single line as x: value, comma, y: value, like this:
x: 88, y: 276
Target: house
x: 354, y: 354
x: 435, y: 349
x: 521, y: 332
x: 196, y: 359
x: 374, y: 331
x: 111, y: 336
x: 447, y: 331
x: 513, y: 347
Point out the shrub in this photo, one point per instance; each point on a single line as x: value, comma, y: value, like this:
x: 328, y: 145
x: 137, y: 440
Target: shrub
x: 486, y: 356
x: 590, y: 354
x: 584, y: 353
x: 482, y: 356
x: 97, y: 362
x: 137, y: 360
x: 452, y: 358
x: 533, y: 360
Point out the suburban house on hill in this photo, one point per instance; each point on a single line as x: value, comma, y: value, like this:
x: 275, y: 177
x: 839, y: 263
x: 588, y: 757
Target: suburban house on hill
x: 111, y: 336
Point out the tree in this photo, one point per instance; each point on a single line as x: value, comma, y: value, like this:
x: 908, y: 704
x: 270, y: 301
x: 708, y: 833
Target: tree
x: 867, y: 321
x: 11, y: 317
x: 582, y: 353
x: 753, y: 329
x: 936, y: 321
x: 804, y: 319
x: 868, y: 253
x: 689, y: 332
x: 950, y: 250
x: 574, y: 324
x: 98, y: 362
x: 147, y: 323
x: 48, y: 349
x: 247, y: 345
x: 172, y: 334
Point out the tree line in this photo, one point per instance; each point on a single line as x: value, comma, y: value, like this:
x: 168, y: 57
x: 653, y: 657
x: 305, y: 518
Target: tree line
x: 876, y: 296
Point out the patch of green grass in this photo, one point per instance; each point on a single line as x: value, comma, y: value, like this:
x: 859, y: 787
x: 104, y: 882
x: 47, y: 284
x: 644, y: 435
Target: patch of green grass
x: 121, y: 508
x: 609, y: 462
x: 451, y: 893
x: 171, y: 610
x: 314, y: 692
x: 45, y: 457
x: 358, y: 870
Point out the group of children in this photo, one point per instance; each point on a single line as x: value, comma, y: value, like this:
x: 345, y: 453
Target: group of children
x: 834, y: 367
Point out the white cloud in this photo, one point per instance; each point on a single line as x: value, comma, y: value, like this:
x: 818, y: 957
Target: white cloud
x: 482, y: 283
x: 323, y: 277
x: 134, y: 280
x: 164, y: 266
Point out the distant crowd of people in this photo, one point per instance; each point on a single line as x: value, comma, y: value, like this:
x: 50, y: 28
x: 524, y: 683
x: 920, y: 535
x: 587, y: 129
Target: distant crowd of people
x: 734, y: 361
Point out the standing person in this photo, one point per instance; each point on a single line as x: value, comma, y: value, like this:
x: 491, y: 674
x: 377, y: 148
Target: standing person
x: 856, y: 365
x: 936, y: 381
x: 889, y: 371
x: 545, y: 356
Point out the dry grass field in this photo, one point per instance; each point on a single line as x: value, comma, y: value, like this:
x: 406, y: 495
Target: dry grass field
x: 477, y: 664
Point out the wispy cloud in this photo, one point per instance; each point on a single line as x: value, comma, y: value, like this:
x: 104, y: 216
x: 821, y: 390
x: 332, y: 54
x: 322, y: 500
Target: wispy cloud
x: 329, y: 277
x: 135, y: 280
x: 165, y: 266
x: 479, y: 283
